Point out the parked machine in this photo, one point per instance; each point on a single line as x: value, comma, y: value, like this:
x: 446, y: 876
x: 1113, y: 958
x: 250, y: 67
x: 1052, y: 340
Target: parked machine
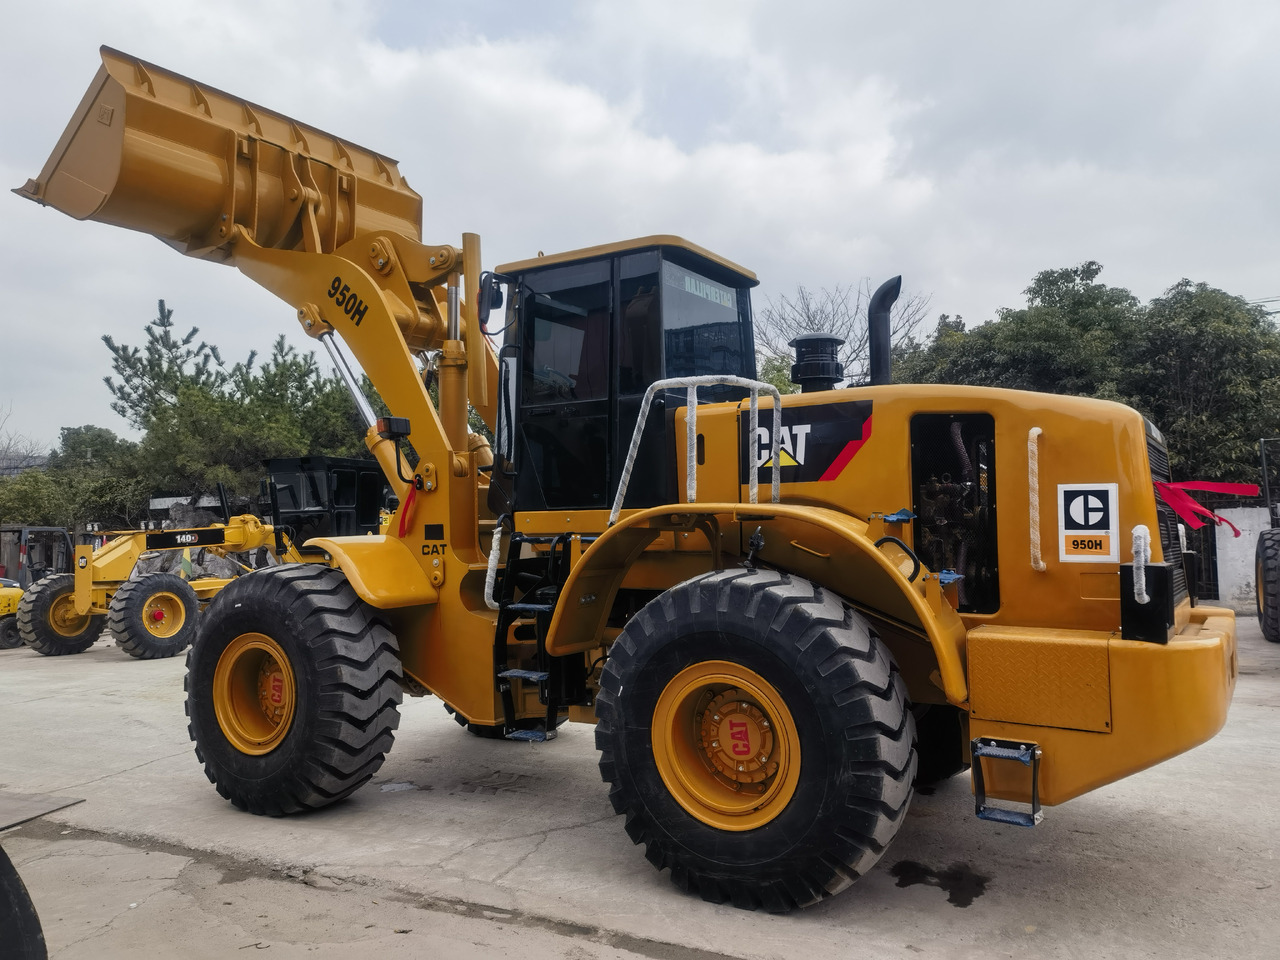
x: 27, y: 554
x: 155, y: 615
x: 778, y: 618
x: 1267, y: 553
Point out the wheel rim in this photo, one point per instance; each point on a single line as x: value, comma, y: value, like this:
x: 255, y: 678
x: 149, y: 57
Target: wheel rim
x: 164, y: 614
x: 725, y: 745
x: 63, y: 619
x: 253, y: 693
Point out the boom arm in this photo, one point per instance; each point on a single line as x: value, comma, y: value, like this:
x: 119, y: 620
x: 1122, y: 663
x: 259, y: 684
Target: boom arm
x: 327, y: 226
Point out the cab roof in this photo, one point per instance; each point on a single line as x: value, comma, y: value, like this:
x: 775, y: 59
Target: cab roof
x: 663, y: 240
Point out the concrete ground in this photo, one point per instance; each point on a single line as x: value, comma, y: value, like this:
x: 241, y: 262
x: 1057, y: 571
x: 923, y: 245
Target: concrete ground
x: 470, y: 848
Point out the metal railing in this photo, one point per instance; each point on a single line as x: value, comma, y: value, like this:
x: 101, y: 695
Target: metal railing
x: 691, y: 384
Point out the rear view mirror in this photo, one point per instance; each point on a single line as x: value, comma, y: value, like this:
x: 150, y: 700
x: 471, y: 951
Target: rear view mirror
x: 489, y: 296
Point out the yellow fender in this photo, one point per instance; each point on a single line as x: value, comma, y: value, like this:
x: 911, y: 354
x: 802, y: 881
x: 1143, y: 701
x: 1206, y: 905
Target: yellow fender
x: 824, y: 546
x: 383, y: 571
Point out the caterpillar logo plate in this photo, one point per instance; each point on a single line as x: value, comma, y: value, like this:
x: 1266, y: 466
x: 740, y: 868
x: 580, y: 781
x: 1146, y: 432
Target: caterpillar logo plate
x: 817, y: 442
x: 1088, y: 522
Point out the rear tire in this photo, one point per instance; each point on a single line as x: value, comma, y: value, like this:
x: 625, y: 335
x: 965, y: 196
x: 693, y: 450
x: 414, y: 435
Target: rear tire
x: 10, y: 638
x: 293, y: 689
x: 757, y: 738
x: 48, y: 622
x: 154, y: 616
x: 1267, y: 582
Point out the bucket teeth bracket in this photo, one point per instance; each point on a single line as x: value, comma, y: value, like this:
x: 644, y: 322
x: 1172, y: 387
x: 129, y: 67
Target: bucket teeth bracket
x: 1027, y: 754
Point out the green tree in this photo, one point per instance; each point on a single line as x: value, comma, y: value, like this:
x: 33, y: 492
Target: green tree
x: 151, y: 376
x: 206, y: 423
x: 1206, y: 370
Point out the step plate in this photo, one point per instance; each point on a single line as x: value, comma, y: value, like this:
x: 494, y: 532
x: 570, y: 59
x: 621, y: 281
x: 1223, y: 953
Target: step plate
x: 1014, y: 751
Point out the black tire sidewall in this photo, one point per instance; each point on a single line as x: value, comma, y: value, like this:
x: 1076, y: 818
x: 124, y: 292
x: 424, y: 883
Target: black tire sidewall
x: 10, y: 638
x: 134, y: 608
x: 222, y: 623
x: 39, y: 601
x: 1267, y: 593
x: 803, y: 823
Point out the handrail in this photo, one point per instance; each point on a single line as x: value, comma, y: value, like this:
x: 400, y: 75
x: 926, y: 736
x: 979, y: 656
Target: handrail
x: 691, y: 384
x: 1141, y: 557
x: 1033, y: 494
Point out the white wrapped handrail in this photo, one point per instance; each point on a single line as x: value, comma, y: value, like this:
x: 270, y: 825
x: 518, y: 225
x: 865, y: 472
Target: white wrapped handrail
x: 491, y: 575
x: 691, y: 384
x: 1141, y: 557
x: 1033, y: 495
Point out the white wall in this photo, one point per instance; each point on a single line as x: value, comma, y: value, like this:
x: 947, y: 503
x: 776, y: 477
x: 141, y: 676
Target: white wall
x: 1235, y: 558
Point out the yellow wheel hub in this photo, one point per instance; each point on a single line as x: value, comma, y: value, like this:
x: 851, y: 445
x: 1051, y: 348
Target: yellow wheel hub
x: 254, y: 696
x: 725, y: 745
x: 163, y: 615
x: 63, y: 619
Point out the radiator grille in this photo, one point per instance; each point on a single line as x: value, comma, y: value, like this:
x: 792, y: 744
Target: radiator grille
x: 1170, y: 541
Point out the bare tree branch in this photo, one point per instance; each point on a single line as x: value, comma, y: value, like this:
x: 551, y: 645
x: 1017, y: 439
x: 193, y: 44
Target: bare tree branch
x: 18, y: 452
x: 840, y: 312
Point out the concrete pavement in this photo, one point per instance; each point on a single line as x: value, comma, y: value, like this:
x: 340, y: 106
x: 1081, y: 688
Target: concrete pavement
x: 476, y: 840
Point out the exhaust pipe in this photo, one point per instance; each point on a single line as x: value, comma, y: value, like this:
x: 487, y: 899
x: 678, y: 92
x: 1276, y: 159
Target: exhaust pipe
x: 878, y: 329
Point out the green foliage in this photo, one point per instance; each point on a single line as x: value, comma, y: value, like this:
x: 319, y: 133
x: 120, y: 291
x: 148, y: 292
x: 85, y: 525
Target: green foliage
x: 206, y: 424
x: 92, y: 477
x: 1202, y: 364
x: 151, y: 376
x: 777, y: 371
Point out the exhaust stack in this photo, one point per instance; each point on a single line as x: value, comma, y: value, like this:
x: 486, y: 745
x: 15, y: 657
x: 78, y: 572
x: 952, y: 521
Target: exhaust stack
x: 878, y: 334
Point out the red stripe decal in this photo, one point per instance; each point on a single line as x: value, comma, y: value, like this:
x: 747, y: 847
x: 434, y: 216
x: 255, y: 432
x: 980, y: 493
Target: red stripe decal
x: 848, y: 453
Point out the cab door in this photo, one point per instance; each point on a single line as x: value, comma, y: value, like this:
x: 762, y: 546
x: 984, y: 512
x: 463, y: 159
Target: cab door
x: 565, y: 432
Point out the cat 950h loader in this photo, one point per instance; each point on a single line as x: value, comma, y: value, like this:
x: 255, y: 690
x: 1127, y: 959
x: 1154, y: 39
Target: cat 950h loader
x: 779, y: 613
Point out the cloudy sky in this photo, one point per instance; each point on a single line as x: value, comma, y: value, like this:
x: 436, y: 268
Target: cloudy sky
x: 965, y: 146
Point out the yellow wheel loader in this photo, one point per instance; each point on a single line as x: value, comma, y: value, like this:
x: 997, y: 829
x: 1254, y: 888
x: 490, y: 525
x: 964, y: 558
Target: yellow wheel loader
x: 779, y: 612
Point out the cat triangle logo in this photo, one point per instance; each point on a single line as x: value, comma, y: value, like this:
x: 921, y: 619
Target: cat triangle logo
x: 787, y: 459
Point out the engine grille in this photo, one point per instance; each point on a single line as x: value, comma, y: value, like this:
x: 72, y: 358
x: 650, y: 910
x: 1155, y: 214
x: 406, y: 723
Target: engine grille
x: 1170, y: 541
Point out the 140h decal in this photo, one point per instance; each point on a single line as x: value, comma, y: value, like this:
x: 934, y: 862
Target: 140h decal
x: 817, y: 442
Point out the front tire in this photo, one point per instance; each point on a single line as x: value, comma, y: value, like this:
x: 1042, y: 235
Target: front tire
x: 757, y: 738
x: 293, y: 689
x: 48, y: 622
x: 154, y: 616
x: 1267, y: 582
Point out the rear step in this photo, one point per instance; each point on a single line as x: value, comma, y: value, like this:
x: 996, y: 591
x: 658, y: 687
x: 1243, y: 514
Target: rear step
x: 1027, y: 754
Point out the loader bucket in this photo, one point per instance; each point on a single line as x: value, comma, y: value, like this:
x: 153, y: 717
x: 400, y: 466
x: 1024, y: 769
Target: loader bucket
x: 151, y: 150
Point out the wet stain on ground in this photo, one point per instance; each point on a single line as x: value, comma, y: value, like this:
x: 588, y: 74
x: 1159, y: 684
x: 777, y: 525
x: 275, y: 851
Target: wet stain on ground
x: 961, y: 884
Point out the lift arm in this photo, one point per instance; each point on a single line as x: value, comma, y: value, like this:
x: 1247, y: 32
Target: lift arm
x: 329, y: 227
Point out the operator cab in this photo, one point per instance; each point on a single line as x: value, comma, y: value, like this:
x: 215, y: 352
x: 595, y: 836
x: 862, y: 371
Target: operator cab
x: 587, y: 332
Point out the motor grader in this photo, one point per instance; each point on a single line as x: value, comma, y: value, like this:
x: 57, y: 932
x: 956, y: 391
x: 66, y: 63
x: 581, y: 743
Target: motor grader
x: 780, y: 613
x: 155, y: 615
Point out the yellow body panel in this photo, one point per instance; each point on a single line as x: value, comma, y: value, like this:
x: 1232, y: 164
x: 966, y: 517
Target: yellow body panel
x: 9, y: 597
x: 1165, y: 699
x: 381, y: 569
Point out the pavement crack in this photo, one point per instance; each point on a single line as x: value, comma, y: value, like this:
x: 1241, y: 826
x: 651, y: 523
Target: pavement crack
x: 116, y: 773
